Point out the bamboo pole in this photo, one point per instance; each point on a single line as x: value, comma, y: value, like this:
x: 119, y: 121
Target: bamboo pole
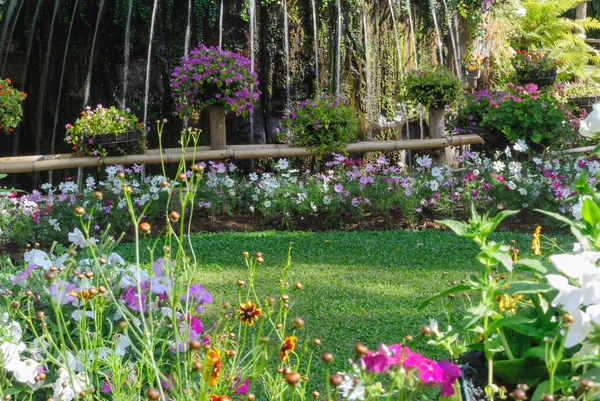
x: 173, y: 155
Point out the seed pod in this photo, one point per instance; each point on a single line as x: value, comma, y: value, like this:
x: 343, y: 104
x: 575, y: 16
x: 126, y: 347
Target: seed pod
x: 79, y: 211
x: 128, y: 189
x: 230, y: 353
x: 53, y: 268
x: 241, y: 283
x: 181, y: 176
x: 285, y: 297
x: 28, y: 293
x: 50, y: 275
x: 316, y: 341
x: 316, y: 394
x: 102, y: 261
x: 327, y: 357
x: 101, y: 289
x: 98, y: 195
x: 121, y: 175
x: 14, y: 304
x: 89, y: 274
x: 164, y: 184
x: 519, y: 394
x: 174, y: 215
x: 259, y: 254
x: 93, y: 291
x: 245, y: 254
x: 260, y: 260
x: 39, y: 314
x: 299, y: 285
x: 548, y: 397
x: 278, y: 326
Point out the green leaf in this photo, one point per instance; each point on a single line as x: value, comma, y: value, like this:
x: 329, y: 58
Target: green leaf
x: 525, y: 287
x: 538, y: 352
x: 532, y: 265
x: 541, y: 389
x: 501, y: 216
x: 453, y: 290
x: 458, y: 227
x: 520, y: 371
x: 503, y: 258
x: 471, y: 316
x: 517, y: 323
x: 590, y: 213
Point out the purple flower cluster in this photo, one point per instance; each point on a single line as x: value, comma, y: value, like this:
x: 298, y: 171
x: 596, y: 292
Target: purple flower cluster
x: 211, y: 75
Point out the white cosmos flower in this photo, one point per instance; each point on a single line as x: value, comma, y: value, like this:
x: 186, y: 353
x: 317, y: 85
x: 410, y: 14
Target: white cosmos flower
x: 520, y: 146
x: 67, y: 387
x: 121, y: 344
x: 77, y: 238
x: 520, y: 12
x: 352, y: 388
x: 76, y: 315
x: 571, y: 298
x: 26, y: 372
x: 11, y: 355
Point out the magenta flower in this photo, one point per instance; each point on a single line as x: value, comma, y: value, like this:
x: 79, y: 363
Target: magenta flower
x: 451, y: 374
x: 381, y: 360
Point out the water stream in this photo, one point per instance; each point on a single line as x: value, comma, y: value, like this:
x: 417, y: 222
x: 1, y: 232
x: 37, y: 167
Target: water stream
x: 338, y: 50
x: 220, y: 24
x: 286, y: 36
x: 413, y: 39
x: 126, y: 54
x: 453, y: 40
x: 316, y: 43
x: 60, y: 86
x: 438, y: 34
x: 12, y: 32
x: 88, y: 81
x: 7, y: 17
x: 148, y: 63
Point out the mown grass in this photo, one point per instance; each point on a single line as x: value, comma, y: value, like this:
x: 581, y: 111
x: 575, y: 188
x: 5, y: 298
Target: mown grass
x: 359, y: 287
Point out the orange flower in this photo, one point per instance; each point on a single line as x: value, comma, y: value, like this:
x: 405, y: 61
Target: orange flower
x: 288, y: 346
x: 220, y: 398
x: 248, y: 313
x: 212, y: 367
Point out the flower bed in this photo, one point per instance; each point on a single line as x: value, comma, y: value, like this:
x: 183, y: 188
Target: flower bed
x: 347, y: 188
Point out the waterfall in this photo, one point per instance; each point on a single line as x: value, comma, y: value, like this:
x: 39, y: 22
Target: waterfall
x: 338, y: 54
x: 88, y: 81
x: 127, y: 51
x: 286, y: 38
x: 454, y: 41
x: 9, y: 12
x: 437, y: 31
x: 367, y: 61
x: 60, y: 85
x: 12, y: 32
x: 413, y: 39
x: 396, y: 36
x: 220, y: 26
x: 44, y: 82
x: 316, y: 42
x: 252, y: 17
x: 147, y: 87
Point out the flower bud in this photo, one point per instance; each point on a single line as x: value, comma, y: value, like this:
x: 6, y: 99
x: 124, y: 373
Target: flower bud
x: 426, y: 330
x: 298, y: 322
x: 39, y: 314
x: 50, y: 275
x: 101, y: 289
x: 285, y: 297
x: 587, y: 384
x: 14, y: 304
x: 195, y: 344
x: 122, y: 325
x: 174, y: 215
x: 316, y: 394
x: 98, y: 195
x: 145, y: 227
x: 181, y: 176
x: 299, y: 285
x: 327, y: 357
x: 79, y: 211
x: 153, y: 394
x: 128, y: 189
x: 519, y: 394
x: 250, y: 397
x: 260, y: 260
x: 548, y: 397
x: 361, y: 349
x: 89, y: 274
x: 245, y: 254
x: 335, y: 380
x: 230, y: 353
x: 408, y: 338
x: 278, y: 326
x: 241, y: 283
x: 164, y: 184
x: 292, y: 378
x: 121, y: 175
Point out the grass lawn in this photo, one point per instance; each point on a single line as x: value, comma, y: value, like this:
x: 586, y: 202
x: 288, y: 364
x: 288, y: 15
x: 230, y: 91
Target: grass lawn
x: 359, y: 287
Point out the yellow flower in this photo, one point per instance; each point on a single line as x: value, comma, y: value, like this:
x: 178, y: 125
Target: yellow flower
x: 507, y: 304
x: 248, y: 313
x: 212, y: 366
x: 288, y: 346
x: 535, y: 242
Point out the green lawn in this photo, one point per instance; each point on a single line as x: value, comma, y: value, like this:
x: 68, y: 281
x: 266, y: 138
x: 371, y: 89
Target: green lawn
x: 359, y: 287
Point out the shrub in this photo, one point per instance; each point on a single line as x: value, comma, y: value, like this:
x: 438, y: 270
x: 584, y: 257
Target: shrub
x: 214, y: 76
x: 11, y: 110
x: 433, y: 89
x: 533, y: 62
x: 324, y: 125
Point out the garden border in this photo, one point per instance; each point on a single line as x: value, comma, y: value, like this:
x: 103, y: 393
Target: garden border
x: 24, y: 164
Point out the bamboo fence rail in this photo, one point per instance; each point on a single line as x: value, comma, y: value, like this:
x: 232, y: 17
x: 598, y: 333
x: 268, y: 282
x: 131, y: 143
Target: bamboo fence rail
x: 22, y: 164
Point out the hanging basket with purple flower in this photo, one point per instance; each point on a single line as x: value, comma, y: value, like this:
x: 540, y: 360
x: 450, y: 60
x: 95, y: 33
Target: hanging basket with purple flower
x: 212, y: 76
x: 102, y: 132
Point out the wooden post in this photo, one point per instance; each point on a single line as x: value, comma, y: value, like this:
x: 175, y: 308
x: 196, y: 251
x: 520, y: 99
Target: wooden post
x: 581, y: 11
x: 437, y: 129
x: 218, y: 133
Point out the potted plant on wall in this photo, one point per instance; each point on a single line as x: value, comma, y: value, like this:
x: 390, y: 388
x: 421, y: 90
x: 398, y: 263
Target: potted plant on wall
x: 434, y: 89
x: 535, y: 68
x: 105, y: 132
x: 324, y: 124
x: 11, y: 111
x: 218, y: 80
x: 583, y: 94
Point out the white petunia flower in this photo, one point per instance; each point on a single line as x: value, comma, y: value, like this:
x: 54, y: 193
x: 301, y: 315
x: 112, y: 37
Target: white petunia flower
x: 520, y: 146
x: 26, y: 372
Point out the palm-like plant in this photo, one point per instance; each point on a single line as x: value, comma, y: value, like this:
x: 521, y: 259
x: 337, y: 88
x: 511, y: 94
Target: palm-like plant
x: 544, y: 27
